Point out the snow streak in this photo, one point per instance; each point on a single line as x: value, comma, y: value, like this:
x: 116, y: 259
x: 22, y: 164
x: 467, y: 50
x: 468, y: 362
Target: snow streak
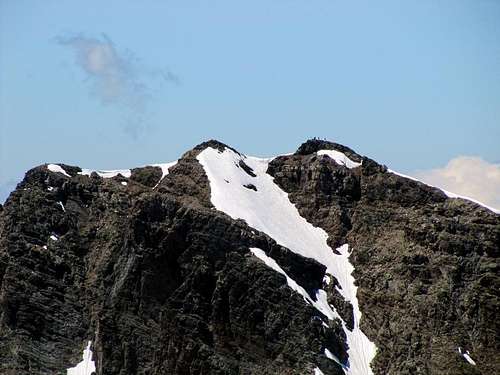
x: 85, y: 367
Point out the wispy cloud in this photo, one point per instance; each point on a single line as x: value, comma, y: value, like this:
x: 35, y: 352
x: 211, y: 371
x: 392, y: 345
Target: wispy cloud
x: 117, y: 77
x: 469, y: 176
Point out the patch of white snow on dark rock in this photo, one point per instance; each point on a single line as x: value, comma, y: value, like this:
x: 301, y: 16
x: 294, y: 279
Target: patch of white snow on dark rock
x: 86, y: 366
x: 467, y: 356
x: 107, y: 174
x: 340, y: 158
x: 164, y: 170
x: 57, y: 169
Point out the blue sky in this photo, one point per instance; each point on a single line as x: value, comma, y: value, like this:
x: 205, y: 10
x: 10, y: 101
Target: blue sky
x: 412, y: 84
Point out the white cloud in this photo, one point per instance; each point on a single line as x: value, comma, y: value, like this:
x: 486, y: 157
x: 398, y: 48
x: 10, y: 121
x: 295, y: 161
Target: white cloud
x: 117, y: 77
x: 468, y: 176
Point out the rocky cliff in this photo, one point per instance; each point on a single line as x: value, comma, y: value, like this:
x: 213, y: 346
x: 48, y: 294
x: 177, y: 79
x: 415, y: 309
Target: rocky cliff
x: 318, y: 262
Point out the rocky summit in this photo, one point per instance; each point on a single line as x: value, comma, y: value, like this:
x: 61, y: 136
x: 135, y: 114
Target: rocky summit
x: 318, y: 262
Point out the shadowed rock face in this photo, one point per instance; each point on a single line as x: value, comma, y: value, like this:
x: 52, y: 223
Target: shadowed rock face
x: 162, y: 283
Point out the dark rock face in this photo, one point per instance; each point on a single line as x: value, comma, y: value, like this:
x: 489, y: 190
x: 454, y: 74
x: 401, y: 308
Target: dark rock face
x: 158, y: 280
x: 427, y: 267
x: 147, y: 176
x: 162, y: 283
x: 344, y: 308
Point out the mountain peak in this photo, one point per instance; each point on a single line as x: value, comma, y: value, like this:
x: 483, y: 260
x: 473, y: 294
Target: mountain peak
x: 213, y: 143
x: 314, y: 145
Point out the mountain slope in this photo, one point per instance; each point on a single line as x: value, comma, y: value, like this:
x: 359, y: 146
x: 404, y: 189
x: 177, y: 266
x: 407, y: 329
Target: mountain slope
x: 318, y: 262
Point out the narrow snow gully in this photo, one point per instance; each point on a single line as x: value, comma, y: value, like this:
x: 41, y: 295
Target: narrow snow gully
x: 164, y: 170
x: 267, y: 208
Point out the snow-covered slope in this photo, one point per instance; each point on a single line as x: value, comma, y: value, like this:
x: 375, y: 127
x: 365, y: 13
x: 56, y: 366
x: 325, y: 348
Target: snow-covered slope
x: 269, y: 210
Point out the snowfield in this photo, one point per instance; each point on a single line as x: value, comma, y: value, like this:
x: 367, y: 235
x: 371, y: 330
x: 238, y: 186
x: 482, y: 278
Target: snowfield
x: 270, y: 211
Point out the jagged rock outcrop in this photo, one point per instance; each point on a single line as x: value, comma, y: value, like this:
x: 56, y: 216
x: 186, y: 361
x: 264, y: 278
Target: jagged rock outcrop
x: 161, y: 282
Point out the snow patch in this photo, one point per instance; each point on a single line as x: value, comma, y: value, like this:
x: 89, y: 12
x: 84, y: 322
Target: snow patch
x: 53, y: 237
x: 62, y: 206
x: 124, y: 183
x: 50, y: 188
x: 107, y: 174
x: 57, y: 169
x: 467, y: 356
x: 270, y: 211
x: 317, y: 371
x: 85, y: 367
x: 164, y: 170
x: 340, y: 158
x: 449, y: 194
x: 323, y: 305
x: 327, y: 280
x: 127, y: 172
